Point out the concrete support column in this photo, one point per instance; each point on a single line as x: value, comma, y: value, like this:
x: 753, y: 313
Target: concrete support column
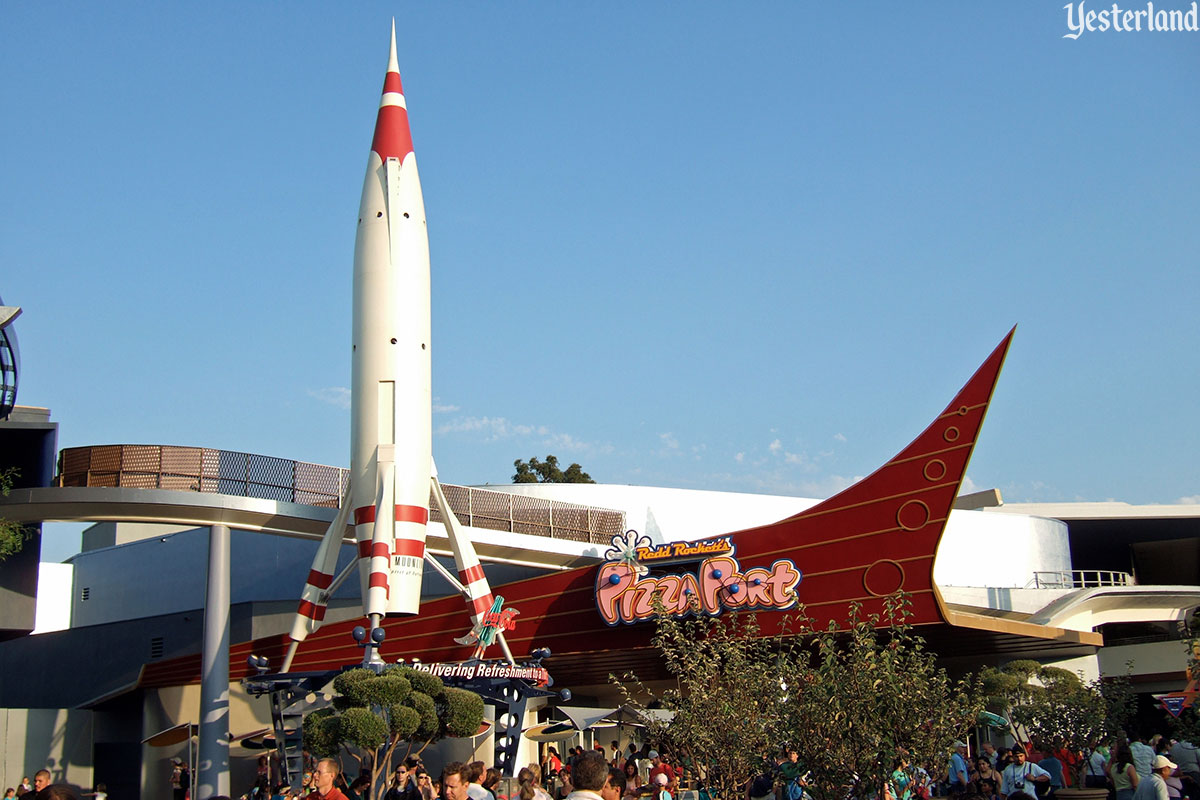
x: 213, y: 764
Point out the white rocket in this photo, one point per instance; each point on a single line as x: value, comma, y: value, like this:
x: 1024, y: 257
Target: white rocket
x: 391, y: 463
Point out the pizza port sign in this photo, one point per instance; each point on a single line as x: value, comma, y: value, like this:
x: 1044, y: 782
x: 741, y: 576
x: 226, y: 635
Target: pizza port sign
x: 627, y: 589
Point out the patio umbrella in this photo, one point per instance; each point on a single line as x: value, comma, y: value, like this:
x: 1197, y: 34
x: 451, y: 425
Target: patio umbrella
x: 551, y: 732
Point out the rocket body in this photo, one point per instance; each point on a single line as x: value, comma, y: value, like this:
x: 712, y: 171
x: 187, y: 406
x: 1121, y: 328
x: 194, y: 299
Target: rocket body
x: 391, y: 461
x: 391, y: 398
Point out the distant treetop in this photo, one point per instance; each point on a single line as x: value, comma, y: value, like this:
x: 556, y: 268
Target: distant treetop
x: 547, y: 471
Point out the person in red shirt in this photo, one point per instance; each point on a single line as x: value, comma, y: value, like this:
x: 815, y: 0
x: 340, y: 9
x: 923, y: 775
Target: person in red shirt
x: 323, y: 777
x: 661, y: 767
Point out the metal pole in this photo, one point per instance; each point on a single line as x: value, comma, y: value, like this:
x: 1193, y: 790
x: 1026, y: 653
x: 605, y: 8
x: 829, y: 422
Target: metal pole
x: 213, y: 761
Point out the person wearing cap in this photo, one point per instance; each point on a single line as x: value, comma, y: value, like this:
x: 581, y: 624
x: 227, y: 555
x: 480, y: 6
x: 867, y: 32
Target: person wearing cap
x: 957, y: 769
x: 1155, y: 786
x: 660, y: 767
x: 1020, y: 774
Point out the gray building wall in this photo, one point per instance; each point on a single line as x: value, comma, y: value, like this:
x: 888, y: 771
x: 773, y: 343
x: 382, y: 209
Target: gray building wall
x: 59, y: 740
x: 166, y: 574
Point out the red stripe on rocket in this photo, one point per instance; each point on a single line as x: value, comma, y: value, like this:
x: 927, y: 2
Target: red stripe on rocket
x: 390, y: 406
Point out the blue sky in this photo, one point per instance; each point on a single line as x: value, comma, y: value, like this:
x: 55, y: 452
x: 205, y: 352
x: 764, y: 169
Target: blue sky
x: 752, y: 247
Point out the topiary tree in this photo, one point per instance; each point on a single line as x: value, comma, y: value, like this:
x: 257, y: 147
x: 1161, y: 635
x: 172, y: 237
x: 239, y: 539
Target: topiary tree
x: 400, y: 711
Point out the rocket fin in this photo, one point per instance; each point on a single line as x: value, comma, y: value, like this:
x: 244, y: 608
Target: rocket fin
x: 470, y: 572
x: 315, y: 597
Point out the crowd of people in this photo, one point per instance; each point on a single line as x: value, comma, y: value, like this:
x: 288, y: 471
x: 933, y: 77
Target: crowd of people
x: 1153, y: 768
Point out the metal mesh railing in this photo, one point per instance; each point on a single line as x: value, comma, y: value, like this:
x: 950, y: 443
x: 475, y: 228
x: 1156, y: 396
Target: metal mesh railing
x: 202, y: 469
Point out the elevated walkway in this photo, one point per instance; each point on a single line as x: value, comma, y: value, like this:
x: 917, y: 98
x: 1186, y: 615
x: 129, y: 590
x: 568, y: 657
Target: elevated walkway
x: 202, y: 486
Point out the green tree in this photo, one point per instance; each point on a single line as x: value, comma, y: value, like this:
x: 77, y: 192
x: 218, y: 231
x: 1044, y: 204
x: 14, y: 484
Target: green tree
x: 722, y: 711
x: 854, y: 700
x: 1057, y: 709
x: 548, y: 471
x: 13, y: 535
x: 399, y: 712
x: 871, y: 700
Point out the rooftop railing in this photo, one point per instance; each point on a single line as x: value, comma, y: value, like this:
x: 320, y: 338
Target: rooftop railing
x: 1079, y: 579
x: 203, y: 469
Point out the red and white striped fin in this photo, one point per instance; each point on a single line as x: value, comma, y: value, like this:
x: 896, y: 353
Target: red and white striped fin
x: 314, y: 599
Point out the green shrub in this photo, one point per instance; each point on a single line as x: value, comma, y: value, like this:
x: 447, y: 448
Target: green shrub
x: 461, y: 713
x: 322, y: 733
x: 423, y: 704
x: 364, y: 728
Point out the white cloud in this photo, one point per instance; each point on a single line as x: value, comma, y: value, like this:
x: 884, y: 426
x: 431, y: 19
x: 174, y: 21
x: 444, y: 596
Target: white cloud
x: 568, y: 443
x: 739, y: 457
x: 803, y: 460
x: 839, y: 437
x: 493, y: 427
x: 333, y: 395
x: 438, y: 408
x: 968, y: 486
x: 669, y: 441
x: 778, y: 481
x: 1193, y: 500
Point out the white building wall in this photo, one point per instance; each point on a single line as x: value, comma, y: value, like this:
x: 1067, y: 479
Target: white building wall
x: 977, y: 548
x: 667, y: 515
x: 53, y: 609
x: 999, y: 550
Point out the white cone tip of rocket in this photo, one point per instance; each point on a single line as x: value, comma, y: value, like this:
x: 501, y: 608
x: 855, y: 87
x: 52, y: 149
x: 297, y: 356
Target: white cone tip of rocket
x: 393, y: 64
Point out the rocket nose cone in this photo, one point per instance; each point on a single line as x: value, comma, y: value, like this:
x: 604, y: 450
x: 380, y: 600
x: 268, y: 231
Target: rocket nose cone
x: 393, y: 65
x: 392, y: 135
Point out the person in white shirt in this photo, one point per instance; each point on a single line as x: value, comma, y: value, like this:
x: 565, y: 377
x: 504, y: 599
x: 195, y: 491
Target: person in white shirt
x: 1020, y: 774
x: 475, y: 790
x: 1155, y: 787
x: 1096, y: 773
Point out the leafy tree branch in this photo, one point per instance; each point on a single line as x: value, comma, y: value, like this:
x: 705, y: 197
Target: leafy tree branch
x: 13, y: 535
